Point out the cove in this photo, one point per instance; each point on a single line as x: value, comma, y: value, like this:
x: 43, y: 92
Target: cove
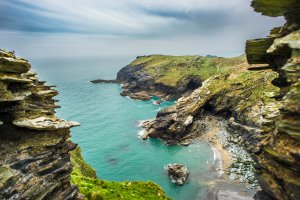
x: 108, y: 134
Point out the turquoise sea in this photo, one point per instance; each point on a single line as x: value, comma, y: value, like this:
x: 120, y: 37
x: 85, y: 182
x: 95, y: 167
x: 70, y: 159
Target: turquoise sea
x: 109, y: 132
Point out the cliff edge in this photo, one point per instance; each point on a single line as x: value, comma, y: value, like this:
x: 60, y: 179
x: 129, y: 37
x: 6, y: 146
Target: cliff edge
x: 34, y: 146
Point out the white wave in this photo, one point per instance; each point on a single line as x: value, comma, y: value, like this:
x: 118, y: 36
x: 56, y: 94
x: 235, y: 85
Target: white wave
x: 140, y: 122
x: 141, y: 133
x: 158, y: 109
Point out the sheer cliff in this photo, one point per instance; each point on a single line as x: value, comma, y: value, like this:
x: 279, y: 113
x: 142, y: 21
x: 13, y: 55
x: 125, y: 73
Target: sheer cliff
x: 34, y: 146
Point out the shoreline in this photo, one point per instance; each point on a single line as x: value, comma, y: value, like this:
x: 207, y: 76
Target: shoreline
x: 224, y: 185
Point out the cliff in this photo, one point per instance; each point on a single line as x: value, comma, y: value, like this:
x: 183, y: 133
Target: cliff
x: 170, y: 77
x: 34, y: 146
x: 278, y: 162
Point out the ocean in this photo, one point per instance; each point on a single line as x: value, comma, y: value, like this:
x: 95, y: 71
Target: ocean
x: 109, y: 131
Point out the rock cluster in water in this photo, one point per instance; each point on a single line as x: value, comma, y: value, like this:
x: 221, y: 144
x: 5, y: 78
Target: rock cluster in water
x: 178, y: 173
x: 34, y: 146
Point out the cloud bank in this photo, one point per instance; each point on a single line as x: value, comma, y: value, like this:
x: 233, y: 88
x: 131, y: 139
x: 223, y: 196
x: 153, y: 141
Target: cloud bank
x: 131, y: 26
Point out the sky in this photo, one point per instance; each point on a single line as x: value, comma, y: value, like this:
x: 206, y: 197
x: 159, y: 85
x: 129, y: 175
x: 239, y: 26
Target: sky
x: 69, y: 28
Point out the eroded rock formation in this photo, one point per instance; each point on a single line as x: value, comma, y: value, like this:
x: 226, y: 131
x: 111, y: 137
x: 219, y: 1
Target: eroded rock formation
x: 278, y: 162
x: 178, y: 173
x: 34, y: 146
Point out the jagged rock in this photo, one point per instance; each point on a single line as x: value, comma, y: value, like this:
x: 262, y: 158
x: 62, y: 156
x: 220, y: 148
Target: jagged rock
x: 278, y: 170
x: 256, y: 50
x: 35, y: 163
x: 138, y: 95
x: 44, y: 123
x: 104, y: 81
x: 13, y: 65
x: 14, y: 78
x: 178, y: 173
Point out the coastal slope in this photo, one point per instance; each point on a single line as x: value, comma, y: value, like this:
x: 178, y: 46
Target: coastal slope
x: 170, y: 77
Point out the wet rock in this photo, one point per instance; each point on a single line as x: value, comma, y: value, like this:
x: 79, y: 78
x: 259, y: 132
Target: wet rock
x: 178, y: 173
x: 104, y: 81
x: 144, y: 96
x: 44, y: 123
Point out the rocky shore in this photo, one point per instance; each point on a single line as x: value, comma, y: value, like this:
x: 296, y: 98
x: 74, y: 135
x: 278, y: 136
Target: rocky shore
x: 260, y: 109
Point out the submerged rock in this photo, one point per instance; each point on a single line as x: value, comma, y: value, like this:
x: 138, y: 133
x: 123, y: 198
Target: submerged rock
x: 178, y: 173
x: 104, y: 81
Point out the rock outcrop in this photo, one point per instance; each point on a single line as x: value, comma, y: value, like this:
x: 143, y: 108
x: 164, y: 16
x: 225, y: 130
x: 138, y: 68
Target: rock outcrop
x: 178, y: 173
x: 34, y: 146
x: 104, y: 81
x: 278, y: 162
x: 170, y: 77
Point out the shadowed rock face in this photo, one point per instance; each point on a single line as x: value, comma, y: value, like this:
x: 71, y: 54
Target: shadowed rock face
x: 279, y: 163
x: 34, y: 147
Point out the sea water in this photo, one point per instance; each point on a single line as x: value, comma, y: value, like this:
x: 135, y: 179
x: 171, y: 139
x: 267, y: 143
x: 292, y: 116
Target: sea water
x: 109, y: 134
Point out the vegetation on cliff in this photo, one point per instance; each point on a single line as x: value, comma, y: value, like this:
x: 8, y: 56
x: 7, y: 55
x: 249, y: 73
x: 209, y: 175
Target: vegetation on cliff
x: 93, y: 188
x: 172, y: 76
x: 170, y: 70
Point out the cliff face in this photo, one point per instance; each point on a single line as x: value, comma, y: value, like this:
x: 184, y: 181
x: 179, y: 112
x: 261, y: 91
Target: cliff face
x: 279, y: 161
x: 170, y: 77
x: 34, y: 147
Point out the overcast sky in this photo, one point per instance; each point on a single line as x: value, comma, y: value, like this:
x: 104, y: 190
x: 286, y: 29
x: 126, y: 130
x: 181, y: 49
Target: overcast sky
x: 129, y: 27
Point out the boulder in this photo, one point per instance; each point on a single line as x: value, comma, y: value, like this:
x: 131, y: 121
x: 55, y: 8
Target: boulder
x: 178, y: 173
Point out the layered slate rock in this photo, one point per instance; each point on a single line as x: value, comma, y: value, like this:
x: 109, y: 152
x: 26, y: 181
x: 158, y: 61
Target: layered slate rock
x: 34, y: 146
x: 278, y: 162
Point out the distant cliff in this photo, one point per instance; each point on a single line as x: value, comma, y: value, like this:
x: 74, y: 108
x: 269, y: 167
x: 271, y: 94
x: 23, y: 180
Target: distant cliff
x: 170, y: 77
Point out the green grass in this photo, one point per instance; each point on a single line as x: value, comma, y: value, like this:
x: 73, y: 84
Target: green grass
x: 171, y: 70
x: 93, y: 188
